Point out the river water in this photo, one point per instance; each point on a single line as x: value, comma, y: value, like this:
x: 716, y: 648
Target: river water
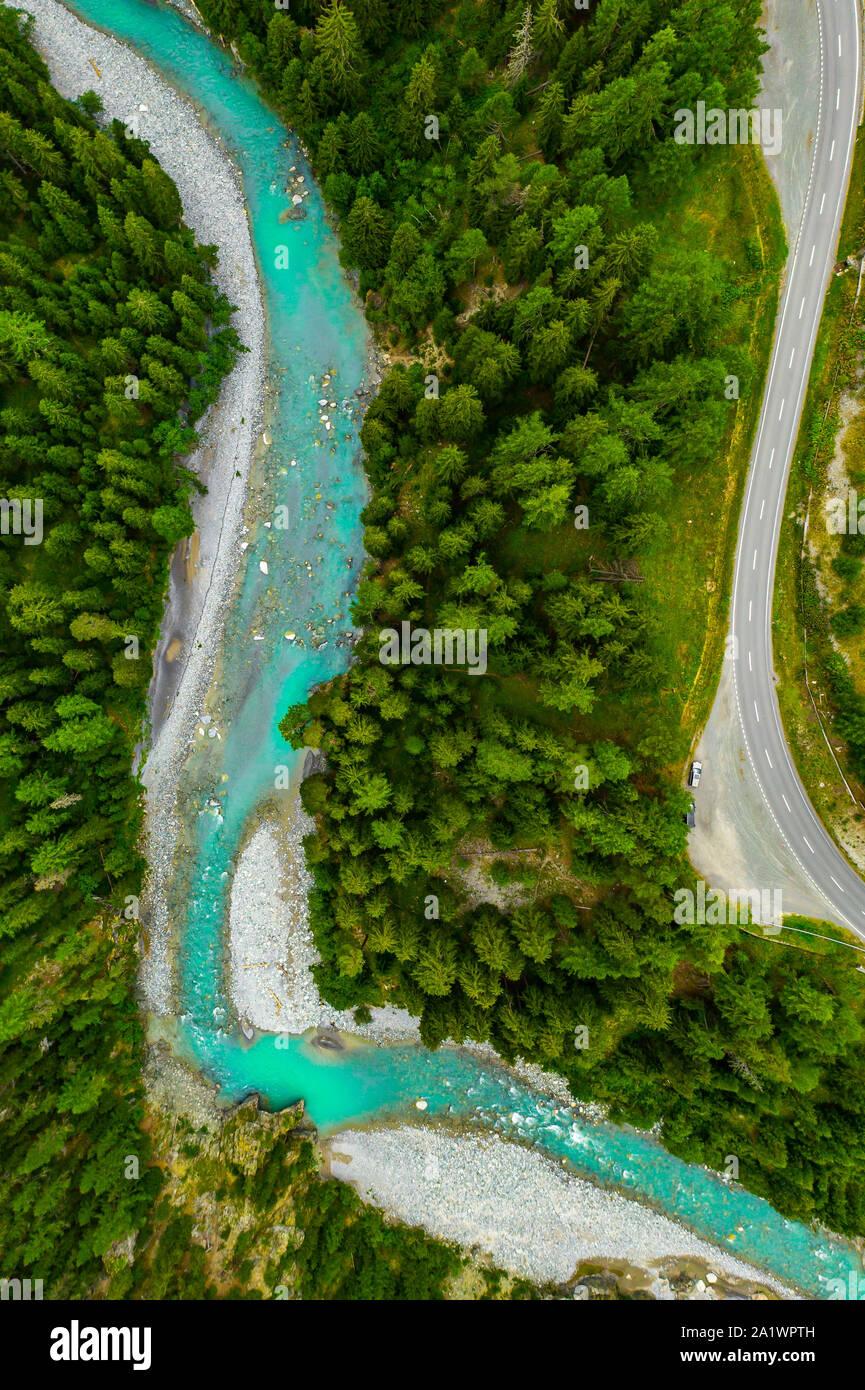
x: 317, y: 329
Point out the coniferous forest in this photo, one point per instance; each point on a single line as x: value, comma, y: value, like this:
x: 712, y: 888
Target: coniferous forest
x: 579, y: 356
x: 497, y: 854
x: 112, y: 335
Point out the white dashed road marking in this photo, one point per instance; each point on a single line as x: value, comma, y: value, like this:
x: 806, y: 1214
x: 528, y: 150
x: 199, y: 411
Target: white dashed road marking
x: 829, y: 130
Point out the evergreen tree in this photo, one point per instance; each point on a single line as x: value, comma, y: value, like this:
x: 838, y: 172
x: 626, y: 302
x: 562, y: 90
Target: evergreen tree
x: 365, y: 234
x: 338, y: 43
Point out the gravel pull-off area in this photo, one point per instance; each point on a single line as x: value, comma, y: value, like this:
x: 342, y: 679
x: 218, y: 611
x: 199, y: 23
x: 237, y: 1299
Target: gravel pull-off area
x: 530, y: 1215
x: 735, y: 845
x: 79, y: 59
x: 791, y: 84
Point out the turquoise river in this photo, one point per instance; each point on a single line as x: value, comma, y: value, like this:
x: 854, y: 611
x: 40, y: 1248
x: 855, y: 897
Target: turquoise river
x: 316, y: 326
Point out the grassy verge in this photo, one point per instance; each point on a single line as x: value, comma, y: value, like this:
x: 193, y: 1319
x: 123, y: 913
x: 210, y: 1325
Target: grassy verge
x: 815, y: 719
x: 744, y: 218
x: 817, y: 937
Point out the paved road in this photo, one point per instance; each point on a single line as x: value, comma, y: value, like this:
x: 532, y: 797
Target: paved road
x: 808, y: 275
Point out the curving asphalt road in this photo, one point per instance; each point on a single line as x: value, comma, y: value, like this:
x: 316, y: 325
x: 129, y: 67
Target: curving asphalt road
x: 807, y: 279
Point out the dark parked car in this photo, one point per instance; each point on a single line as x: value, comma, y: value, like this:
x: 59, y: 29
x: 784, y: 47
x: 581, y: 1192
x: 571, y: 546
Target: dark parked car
x: 691, y: 817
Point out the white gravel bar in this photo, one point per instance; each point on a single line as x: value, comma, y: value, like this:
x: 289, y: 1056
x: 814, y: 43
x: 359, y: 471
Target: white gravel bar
x: 270, y: 946
x: 81, y: 58
x: 530, y: 1215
